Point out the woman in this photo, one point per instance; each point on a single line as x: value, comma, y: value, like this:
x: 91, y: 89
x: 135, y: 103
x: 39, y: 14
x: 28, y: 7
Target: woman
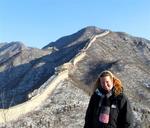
x: 108, y: 106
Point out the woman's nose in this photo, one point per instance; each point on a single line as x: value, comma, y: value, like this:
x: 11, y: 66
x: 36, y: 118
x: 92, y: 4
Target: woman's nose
x: 105, y: 84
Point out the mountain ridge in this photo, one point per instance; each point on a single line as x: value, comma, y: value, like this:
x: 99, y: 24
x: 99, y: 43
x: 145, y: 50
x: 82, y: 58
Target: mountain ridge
x: 121, y: 53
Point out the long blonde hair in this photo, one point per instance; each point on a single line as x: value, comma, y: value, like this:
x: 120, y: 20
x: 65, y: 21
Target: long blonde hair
x: 116, y: 82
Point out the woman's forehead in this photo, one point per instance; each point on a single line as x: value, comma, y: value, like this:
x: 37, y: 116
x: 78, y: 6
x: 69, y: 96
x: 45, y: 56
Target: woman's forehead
x: 105, y: 78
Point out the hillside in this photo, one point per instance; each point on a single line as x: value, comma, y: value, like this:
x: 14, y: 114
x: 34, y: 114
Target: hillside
x: 83, y: 55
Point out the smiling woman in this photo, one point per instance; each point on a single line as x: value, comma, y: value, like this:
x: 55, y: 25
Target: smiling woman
x: 106, y: 81
x: 108, y: 106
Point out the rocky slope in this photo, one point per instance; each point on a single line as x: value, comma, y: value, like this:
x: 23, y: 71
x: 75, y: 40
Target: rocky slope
x: 19, y: 72
x: 64, y: 108
x: 23, y: 69
x: 86, y: 53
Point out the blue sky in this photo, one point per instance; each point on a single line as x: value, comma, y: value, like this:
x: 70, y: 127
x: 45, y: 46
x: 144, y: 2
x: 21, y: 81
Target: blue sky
x: 39, y: 22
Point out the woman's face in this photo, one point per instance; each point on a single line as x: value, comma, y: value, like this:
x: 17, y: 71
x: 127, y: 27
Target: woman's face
x: 106, y: 83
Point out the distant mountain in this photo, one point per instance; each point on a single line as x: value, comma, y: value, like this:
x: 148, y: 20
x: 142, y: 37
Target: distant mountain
x: 27, y: 72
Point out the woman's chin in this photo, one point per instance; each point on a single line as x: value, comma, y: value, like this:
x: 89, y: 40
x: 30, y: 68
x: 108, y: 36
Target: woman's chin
x: 108, y: 89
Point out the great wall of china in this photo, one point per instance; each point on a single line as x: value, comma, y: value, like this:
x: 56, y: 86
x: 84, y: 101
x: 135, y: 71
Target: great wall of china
x: 13, y: 113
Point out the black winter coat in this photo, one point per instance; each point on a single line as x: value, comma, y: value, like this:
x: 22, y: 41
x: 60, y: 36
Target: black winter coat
x: 120, y: 116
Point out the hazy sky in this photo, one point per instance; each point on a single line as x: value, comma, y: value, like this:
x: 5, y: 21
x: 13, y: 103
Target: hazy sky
x: 38, y: 22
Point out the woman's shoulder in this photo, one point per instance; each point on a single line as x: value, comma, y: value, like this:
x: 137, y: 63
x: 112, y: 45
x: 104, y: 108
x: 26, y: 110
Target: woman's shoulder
x: 122, y: 96
x: 122, y: 99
